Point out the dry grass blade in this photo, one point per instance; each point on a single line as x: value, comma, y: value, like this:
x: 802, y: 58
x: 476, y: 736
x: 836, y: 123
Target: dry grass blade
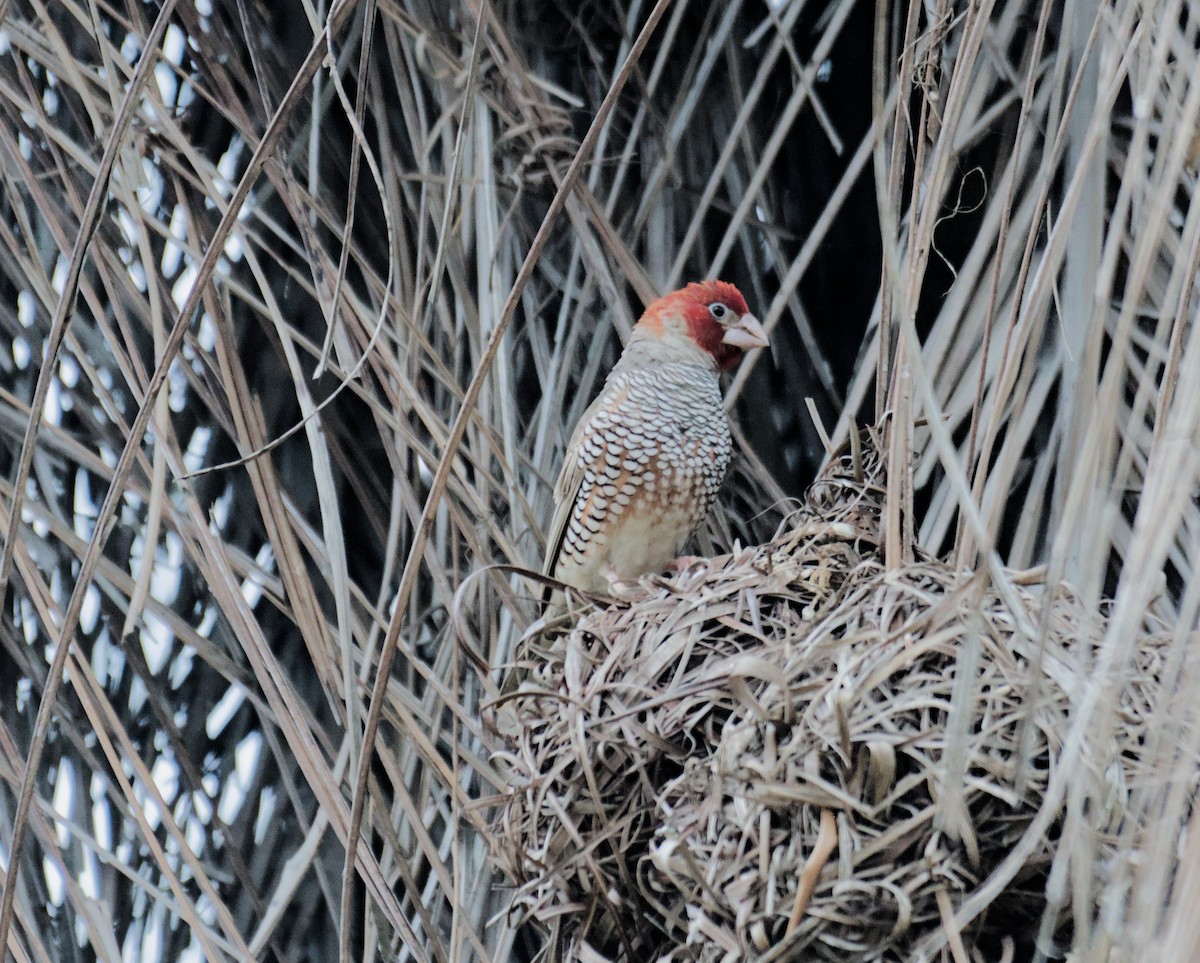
x: 88, y: 224
x: 447, y: 459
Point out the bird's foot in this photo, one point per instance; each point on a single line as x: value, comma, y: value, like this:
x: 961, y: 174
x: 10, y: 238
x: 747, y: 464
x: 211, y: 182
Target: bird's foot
x: 613, y: 580
x: 685, y: 562
x: 618, y: 587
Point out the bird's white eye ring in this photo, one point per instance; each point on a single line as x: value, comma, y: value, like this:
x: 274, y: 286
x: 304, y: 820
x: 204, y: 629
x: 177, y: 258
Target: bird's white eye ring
x: 718, y: 311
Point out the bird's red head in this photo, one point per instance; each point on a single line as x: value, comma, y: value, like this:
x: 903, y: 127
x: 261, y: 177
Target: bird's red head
x: 713, y: 315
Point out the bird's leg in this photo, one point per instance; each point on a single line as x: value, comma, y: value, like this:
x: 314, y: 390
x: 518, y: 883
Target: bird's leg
x: 684, y: 562
x: 612, y: 577
x: 619, y: 586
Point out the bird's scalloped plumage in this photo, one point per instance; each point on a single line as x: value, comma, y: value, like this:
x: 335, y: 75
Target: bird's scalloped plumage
x: 647, y: 458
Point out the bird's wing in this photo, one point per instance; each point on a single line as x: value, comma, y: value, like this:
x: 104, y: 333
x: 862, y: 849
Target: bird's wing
x: 570, y: 478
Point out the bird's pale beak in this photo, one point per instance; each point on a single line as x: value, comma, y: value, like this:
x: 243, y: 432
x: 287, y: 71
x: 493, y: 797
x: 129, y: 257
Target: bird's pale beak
x: 746, y: 334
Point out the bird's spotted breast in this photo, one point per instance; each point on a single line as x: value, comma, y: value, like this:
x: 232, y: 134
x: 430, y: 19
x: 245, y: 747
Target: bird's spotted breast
x: 652, y: 462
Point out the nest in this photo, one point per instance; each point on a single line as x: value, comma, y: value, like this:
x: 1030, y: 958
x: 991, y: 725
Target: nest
x: 763, y: 759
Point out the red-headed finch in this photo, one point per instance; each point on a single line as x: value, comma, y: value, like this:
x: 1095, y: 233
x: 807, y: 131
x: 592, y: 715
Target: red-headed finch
x: 644, y: 464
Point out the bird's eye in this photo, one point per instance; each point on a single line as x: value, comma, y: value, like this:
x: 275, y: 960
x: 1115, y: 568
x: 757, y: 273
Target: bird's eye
x: 718, y: 311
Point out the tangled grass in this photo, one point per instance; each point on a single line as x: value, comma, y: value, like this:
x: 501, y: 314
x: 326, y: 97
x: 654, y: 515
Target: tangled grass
x: 798, y: 752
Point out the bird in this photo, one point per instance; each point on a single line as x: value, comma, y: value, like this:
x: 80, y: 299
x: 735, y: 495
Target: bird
x: 645, y: 462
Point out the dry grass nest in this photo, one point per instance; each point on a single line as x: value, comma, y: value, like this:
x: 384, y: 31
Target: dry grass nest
x: 756, y: 760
